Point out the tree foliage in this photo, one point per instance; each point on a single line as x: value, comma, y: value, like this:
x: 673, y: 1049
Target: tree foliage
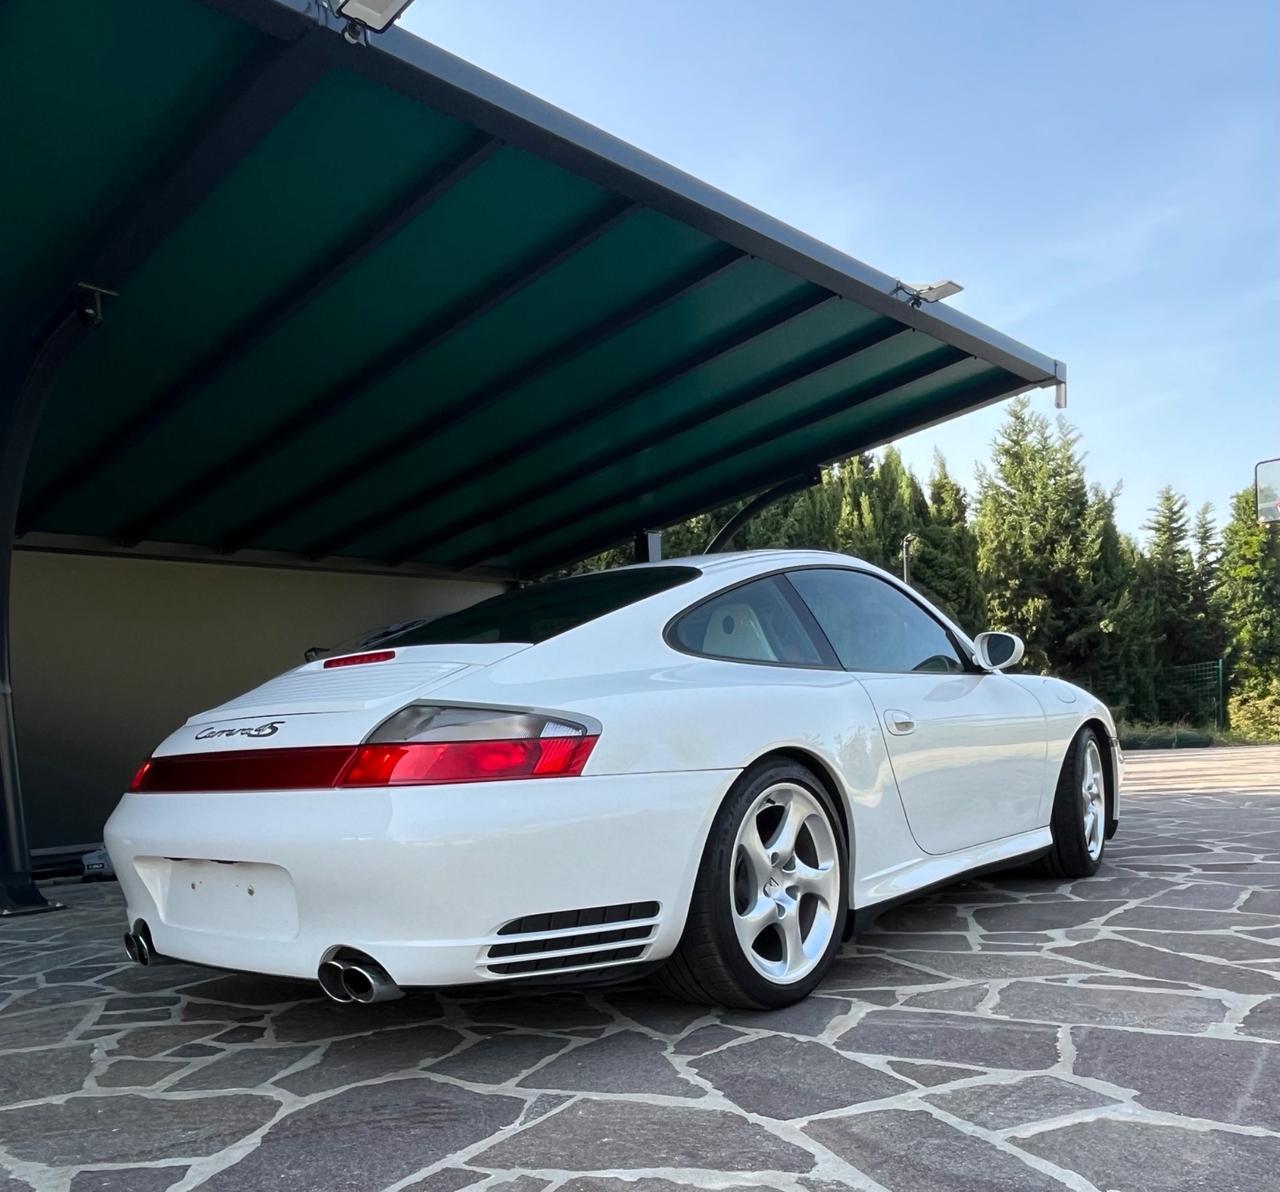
x: 1036, y: 550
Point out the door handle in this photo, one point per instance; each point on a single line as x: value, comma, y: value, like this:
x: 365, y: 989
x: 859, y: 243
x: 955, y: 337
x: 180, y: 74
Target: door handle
x: 899, y: 723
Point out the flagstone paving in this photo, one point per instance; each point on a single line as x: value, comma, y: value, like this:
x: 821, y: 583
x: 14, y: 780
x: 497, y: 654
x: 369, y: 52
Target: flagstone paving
x: 1010, y: 1034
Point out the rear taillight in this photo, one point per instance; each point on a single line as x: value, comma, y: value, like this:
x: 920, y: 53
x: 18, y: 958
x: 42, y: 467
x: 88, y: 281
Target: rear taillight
x: 467, y: 761
x: 140, y: 776
x: 245, y: 770
x: 420, y: 745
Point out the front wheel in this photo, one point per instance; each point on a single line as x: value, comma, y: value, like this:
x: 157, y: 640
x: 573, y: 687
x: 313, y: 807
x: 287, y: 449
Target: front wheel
x: 769, y: 904
x: 1079, y: 817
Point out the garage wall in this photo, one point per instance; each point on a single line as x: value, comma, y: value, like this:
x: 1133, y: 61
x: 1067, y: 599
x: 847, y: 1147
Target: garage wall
x: 110, y: 655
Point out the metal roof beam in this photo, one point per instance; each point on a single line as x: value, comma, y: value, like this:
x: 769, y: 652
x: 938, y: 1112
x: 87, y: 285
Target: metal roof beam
x: 972, y: 398
x: 275, y: 439
x: 943, y: 358
x: 847, y: 349
x: 466, y: 407
x: 265, y: 319
x: 723, y: 346
x: 417, y: 68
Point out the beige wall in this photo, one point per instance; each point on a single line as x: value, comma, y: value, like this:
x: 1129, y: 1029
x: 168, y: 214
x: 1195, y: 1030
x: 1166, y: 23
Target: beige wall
x: 110, y: 655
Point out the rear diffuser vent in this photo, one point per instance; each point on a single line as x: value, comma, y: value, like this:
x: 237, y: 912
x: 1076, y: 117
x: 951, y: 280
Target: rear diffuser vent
x: 562, y: 940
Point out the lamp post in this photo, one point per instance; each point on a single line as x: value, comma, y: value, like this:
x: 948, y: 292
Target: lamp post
x: 907, y: 540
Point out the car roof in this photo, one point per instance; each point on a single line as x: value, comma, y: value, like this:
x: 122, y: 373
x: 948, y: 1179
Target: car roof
x: 749, y: 562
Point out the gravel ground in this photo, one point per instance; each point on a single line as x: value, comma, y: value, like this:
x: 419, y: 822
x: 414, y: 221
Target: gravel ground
x: 1010, y: 1033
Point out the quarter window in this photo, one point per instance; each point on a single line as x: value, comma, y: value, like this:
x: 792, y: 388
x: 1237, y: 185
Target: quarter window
x: 874, y: 627
x: 754, y: 622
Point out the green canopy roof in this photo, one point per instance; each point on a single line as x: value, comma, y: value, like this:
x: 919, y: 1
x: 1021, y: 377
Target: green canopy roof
x: 375, y: 304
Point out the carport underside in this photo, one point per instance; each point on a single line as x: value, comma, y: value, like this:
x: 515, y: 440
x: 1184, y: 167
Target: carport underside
x: 273, y: 298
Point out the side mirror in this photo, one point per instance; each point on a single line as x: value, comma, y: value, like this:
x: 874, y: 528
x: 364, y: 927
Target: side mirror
x: 996, y: 651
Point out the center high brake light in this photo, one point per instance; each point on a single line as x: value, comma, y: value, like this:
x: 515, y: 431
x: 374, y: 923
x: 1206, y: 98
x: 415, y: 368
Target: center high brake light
x: 420, y: 745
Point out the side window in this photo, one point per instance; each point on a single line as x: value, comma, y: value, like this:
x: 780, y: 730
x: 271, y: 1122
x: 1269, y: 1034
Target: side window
x: 751, y: 623
x: 873, y: 626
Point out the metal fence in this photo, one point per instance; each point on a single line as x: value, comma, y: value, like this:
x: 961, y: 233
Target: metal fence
x: 1193, y: 694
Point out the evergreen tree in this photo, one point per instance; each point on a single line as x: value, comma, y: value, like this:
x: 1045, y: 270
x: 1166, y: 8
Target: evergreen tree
x: 1248, y: 597
x: 1209, y: 633
x: 944, y: 562
x: 1173, y: 572
x: 1029, y: 511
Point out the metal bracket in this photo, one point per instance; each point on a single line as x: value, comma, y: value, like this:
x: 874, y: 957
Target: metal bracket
x: 723, y: 536
x: 90, y: 308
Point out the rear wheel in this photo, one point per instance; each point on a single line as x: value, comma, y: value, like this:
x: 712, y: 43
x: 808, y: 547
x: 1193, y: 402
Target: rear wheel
x: 771, y: 896
x: 1079, y: 818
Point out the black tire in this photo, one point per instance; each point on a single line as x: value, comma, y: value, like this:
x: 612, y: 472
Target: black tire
x: 709, y: 965
x: 1070, y: 856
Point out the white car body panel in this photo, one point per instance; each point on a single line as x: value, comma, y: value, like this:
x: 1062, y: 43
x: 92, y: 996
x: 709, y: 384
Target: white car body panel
x: 424, y: 877
x: 956, y: 740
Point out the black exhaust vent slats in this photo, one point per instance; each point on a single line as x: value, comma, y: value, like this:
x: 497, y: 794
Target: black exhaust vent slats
x: 589, y: 916
x: 626, y: 929
x: 556, y: 943
x: 548, y: 963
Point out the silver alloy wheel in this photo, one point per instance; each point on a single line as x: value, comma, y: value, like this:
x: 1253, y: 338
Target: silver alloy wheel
x: 1093, y: 800
x: 784, y: 885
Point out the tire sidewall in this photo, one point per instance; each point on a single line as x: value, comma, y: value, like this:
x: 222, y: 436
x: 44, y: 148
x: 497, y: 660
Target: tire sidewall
x: 768, y: 994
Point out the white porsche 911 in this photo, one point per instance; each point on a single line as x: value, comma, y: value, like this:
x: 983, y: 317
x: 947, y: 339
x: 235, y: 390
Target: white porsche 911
x: 710, y: 767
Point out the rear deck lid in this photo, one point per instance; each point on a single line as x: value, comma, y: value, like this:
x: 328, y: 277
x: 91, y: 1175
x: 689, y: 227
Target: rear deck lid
x: 328, y: 686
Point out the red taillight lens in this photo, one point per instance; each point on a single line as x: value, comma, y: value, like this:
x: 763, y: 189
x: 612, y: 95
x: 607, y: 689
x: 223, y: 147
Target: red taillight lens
x: 359, y: 659
x: 364, y: 765
x: 467, y: 761
x: 139, y: 779
x: 245, y: 770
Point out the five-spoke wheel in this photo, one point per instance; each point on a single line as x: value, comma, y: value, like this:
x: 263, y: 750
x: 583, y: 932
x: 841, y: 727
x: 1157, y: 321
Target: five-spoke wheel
x: 785, y: 883
x: 1093, y: 800
x: 1078, y: 820
x: 769, y: 904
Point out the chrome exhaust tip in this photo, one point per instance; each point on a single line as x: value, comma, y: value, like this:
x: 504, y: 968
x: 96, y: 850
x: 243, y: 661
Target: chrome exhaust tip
x: 330, y: 975
x: 137, y: 943
x: 366, y: 983
x: 356, y: 978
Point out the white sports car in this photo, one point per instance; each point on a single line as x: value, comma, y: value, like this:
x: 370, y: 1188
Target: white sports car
x: 709, y: 767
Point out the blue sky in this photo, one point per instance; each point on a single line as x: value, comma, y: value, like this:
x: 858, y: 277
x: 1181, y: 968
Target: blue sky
x: 1103, y: 178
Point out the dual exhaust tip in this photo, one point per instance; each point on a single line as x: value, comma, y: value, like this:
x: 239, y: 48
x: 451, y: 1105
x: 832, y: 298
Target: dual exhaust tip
x: 137, y: 943
x: 350, y: 978
x: 356, y: 979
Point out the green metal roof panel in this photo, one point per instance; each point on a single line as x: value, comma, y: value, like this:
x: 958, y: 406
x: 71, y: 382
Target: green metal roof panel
x: 374, y: 303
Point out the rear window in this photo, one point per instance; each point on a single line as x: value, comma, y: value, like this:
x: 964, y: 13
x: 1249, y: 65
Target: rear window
x: 540, y: 611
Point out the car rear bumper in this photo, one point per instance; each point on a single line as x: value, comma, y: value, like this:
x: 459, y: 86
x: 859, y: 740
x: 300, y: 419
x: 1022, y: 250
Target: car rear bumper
x: 423, y: 879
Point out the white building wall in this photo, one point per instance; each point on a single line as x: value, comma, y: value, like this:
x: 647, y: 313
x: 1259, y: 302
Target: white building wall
x: 111, y: 654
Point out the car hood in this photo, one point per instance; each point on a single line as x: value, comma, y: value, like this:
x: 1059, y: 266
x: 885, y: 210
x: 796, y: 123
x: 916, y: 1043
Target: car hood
x: 314, y: 704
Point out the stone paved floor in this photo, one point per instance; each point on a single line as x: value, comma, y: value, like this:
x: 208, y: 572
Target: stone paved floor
x: 1013, y: 1033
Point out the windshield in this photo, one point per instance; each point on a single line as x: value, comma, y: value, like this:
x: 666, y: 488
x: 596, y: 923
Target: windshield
x: 540, y: 611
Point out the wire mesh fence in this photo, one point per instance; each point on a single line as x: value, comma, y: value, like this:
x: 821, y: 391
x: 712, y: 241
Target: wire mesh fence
x: 1193, y: 694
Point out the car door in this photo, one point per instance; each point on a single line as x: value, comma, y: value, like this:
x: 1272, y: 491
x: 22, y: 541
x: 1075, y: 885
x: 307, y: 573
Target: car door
x: 967, y: 746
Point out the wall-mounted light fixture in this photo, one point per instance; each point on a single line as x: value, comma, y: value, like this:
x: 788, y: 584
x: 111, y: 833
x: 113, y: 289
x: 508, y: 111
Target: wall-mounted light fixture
x: 918, y: 295
x: 368, y: 16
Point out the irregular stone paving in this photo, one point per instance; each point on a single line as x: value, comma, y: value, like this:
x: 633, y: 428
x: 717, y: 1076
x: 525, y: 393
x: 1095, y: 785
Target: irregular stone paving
x: 1013, y: 1033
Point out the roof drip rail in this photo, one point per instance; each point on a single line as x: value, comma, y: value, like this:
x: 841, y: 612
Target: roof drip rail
x: 723, y: 536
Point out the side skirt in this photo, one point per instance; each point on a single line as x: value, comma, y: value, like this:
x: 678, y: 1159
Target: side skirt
x: 860, y: 918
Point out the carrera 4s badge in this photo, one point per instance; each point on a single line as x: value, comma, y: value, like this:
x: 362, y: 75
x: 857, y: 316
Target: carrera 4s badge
x: 258, y: 730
